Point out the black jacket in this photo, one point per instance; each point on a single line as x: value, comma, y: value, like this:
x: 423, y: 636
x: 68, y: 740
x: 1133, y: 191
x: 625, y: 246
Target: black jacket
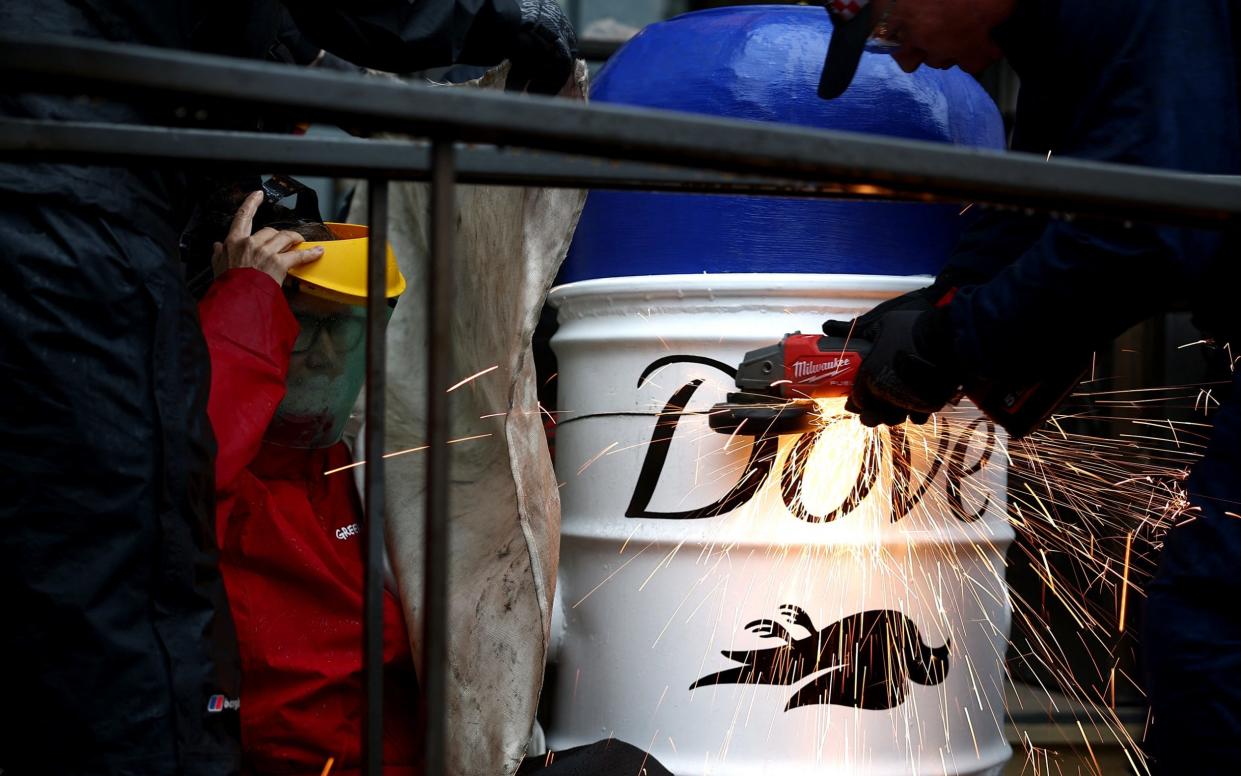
x: 392, y: 35
x: 1143, y: 82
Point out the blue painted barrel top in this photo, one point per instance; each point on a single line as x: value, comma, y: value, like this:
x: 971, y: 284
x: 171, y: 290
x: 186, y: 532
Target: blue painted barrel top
x: 763, y: 63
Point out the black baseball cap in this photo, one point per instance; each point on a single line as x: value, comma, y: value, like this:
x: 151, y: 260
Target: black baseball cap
x: 854, y: 22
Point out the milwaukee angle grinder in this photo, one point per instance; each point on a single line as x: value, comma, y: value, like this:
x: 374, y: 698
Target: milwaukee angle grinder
x: 778, y: 385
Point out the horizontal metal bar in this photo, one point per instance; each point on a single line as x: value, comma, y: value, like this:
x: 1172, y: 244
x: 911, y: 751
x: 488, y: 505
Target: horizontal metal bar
x: 636, y: 134
x: 83, y: 142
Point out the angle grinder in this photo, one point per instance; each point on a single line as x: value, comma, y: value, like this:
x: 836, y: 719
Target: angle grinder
x: 779, y: 385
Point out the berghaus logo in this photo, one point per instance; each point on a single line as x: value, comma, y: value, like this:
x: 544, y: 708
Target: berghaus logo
x: 218, y: 703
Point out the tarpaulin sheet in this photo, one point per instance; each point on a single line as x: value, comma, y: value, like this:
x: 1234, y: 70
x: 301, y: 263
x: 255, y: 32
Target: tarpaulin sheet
x: 505, y: 512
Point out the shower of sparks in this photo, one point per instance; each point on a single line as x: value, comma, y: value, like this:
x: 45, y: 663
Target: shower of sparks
x: 551, y: 418
x: 1090, y: 498
x: 1099, y: 501
x: 399, y: 453
x: 1124, y: 589
x: 473, y: 377
x: 597, y: 456
x: 1089, y: 748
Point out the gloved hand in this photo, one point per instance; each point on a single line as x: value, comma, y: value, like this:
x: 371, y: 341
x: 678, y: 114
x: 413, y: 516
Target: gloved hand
x: 909, y: 372
x: 935, y: 295
x: 545, y: 50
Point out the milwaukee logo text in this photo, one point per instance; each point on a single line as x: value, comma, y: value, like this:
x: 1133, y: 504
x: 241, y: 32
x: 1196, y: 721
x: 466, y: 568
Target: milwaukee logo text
x: 825, y: 368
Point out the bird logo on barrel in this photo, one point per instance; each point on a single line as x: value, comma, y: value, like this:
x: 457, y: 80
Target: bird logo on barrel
x: 866, y: 661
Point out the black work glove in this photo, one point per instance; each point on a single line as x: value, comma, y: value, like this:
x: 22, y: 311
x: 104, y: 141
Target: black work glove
x: 909, y: 372
x: 545, y: 50
x: 935, y: 295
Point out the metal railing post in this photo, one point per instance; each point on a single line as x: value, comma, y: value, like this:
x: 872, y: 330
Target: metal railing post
x: 373, y: 530
x: 434, y: 679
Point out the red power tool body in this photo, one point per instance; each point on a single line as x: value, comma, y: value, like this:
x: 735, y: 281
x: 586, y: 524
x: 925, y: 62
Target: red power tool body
x: 777, y: 387
x: 817, y: 367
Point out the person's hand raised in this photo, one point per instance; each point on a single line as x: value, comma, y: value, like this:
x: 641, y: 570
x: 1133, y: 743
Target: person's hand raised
x: 267, y: 250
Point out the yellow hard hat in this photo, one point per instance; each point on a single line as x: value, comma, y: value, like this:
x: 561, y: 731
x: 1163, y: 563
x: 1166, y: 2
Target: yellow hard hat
x: 340, y: 274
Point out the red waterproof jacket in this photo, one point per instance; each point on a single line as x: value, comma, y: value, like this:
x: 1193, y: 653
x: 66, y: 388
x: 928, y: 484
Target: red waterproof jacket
x: 292, y: 558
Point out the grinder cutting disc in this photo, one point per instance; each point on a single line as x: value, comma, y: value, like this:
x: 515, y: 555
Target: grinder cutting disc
x: 780, y: 383
x: 764, y: 417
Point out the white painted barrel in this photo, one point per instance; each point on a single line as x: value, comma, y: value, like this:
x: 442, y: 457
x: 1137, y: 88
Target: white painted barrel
x: 866, y: 632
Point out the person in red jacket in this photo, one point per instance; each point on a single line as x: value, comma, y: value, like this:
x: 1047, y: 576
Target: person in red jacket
x: 285, y: 328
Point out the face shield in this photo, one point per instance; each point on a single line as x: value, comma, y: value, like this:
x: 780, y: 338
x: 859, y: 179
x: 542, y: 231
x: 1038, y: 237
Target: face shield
x: 326, y: 372
x: 327, y: 367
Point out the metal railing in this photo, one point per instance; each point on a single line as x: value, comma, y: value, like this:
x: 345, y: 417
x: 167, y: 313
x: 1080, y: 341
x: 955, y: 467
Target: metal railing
x: 531, y: 141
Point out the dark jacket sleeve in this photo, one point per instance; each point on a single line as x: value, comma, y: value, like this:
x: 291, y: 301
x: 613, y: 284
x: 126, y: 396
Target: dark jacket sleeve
x: 401, y: 36
x: 1126, y: 81
x: 250, y: 332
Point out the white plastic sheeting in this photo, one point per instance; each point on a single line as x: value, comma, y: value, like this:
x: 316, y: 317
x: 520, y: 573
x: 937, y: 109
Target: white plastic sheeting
x: 504, y: 507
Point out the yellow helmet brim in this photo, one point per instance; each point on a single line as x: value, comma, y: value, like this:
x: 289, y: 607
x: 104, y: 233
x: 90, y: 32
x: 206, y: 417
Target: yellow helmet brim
x: 340, y: 274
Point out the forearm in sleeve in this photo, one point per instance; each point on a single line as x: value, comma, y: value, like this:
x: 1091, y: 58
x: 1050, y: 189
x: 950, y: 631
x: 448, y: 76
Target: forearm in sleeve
x: 1073, y: 290
x: 992, y: 242
x: 250, y: 333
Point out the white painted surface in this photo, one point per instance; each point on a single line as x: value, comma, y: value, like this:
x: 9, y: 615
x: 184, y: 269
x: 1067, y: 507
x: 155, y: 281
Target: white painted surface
x: 649, y: 604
